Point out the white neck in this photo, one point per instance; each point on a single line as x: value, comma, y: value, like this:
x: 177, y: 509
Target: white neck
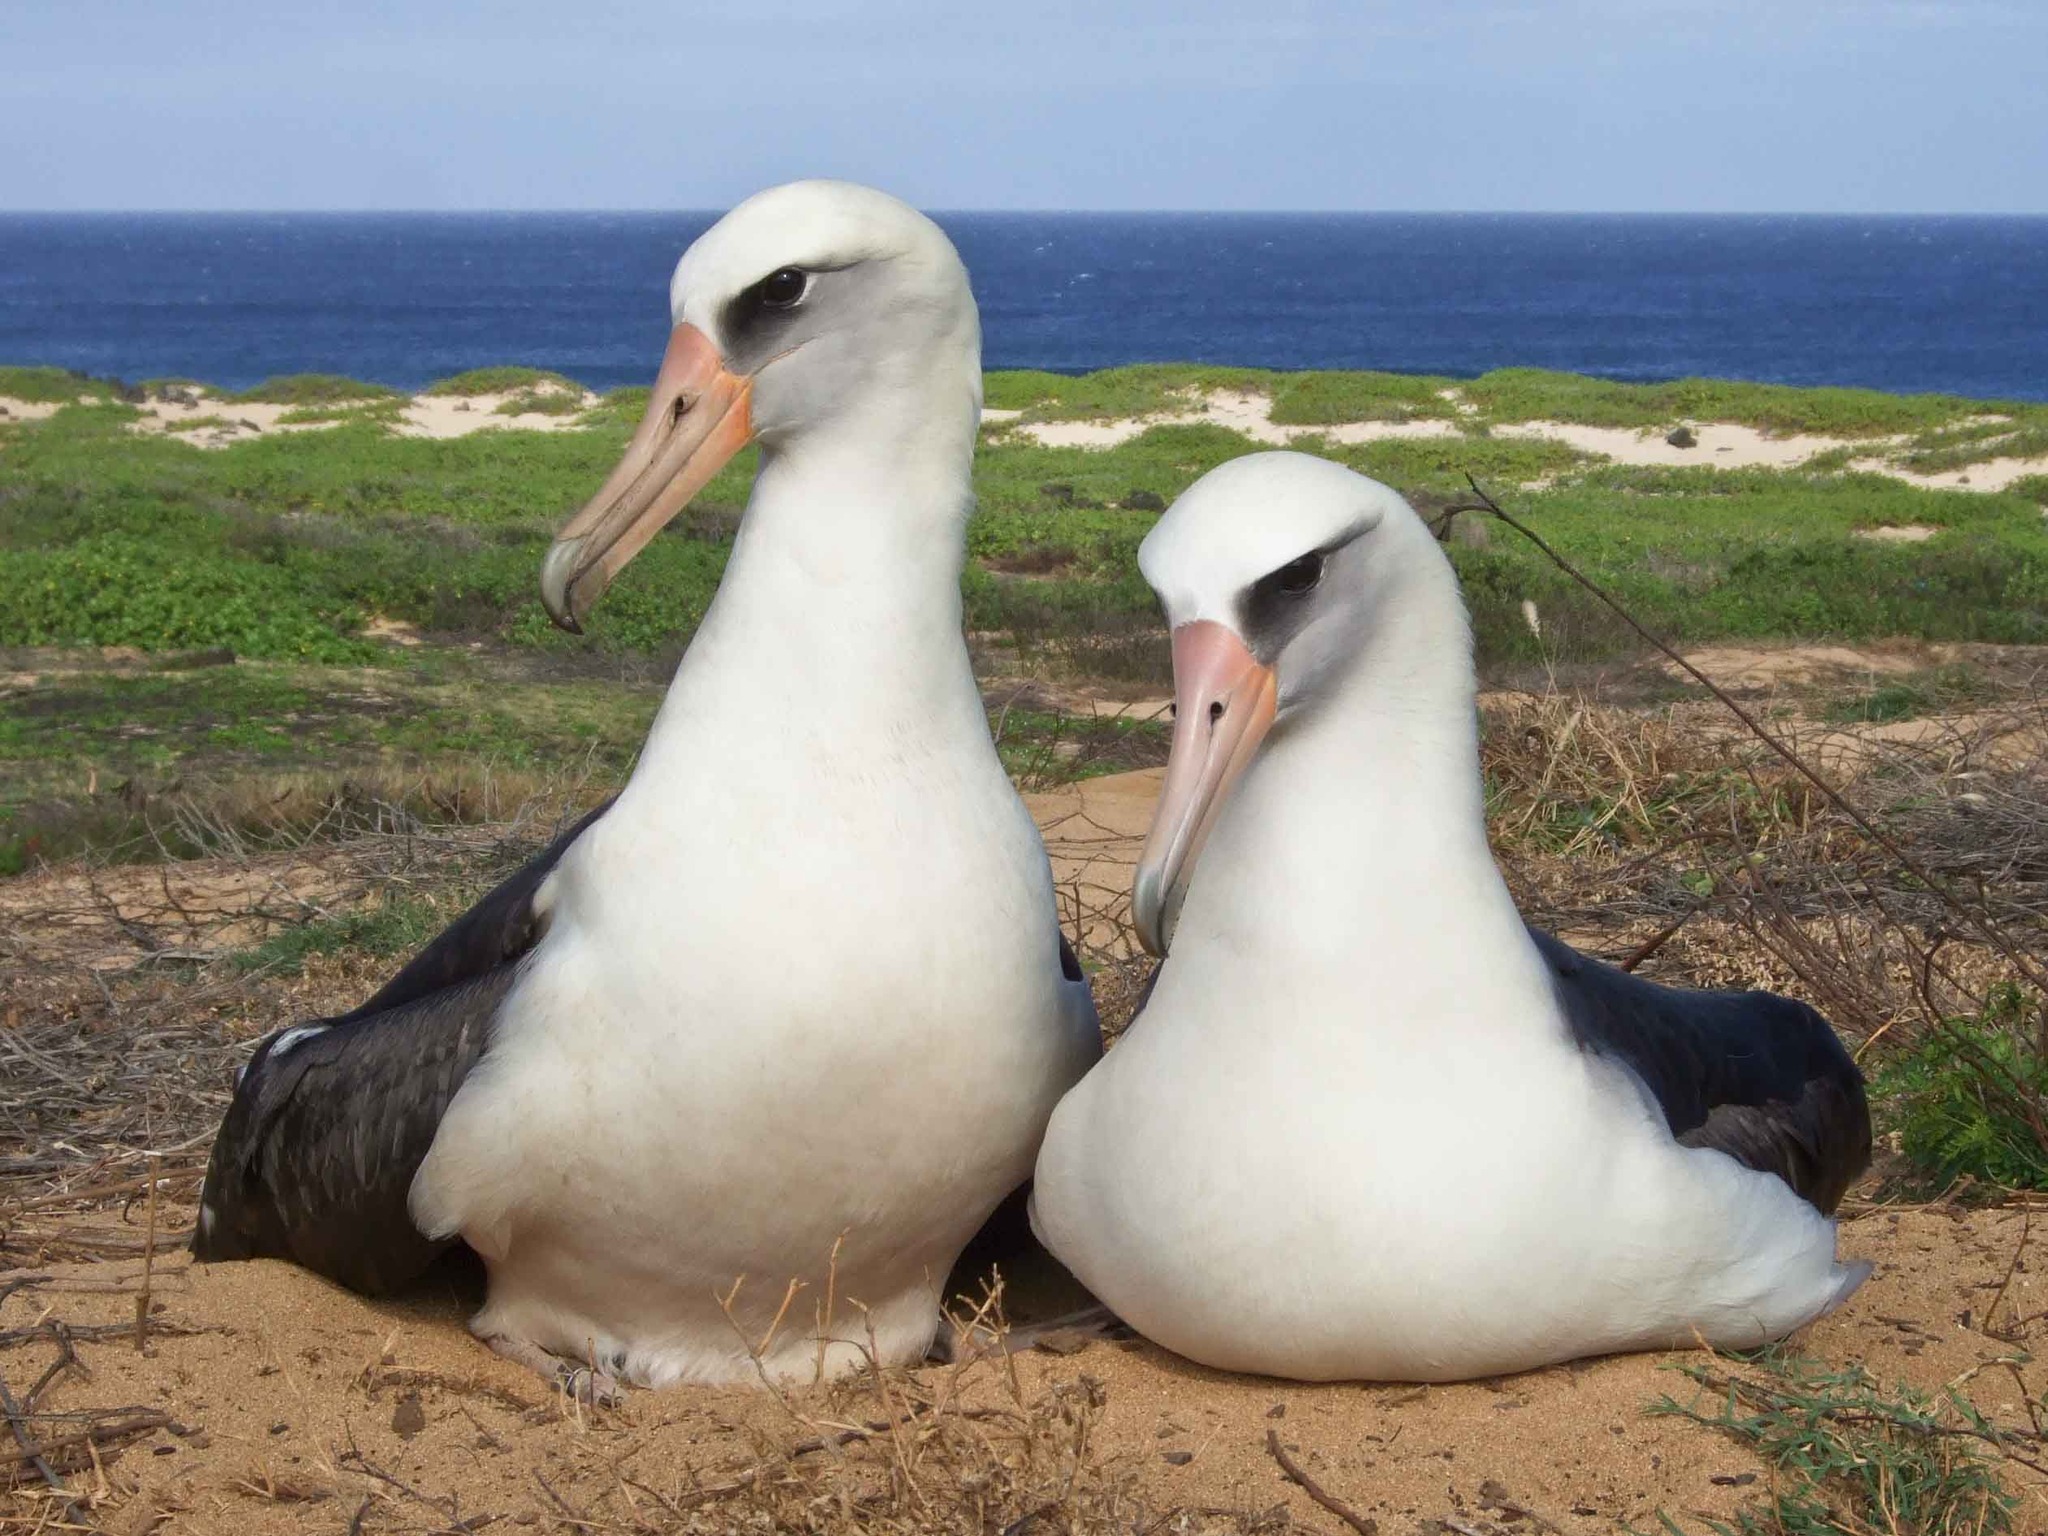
x: 839, y: 611
x: 1355, y: 847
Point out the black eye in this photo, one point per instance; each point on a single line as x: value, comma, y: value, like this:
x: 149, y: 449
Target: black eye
x: 784, y: 289
x: 1298, y: 576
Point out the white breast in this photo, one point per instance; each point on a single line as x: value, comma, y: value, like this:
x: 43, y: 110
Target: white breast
x: 1273, y: 1189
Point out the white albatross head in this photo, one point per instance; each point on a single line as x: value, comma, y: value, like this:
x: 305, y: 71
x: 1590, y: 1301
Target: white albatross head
x: 811, y: 307
x: 1276, y: 570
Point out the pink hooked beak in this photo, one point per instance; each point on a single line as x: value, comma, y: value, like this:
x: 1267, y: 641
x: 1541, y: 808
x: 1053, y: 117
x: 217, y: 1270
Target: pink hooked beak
x: 697, y: 418
x: 1224, y: 703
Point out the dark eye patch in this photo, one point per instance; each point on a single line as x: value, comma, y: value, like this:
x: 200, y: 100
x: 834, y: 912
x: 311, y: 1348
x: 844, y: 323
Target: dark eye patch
x: 757, y: 313
x: 1298, y: 576
x: 1275, y: 606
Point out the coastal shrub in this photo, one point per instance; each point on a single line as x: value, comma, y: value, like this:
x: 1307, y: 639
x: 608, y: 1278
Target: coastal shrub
x: 51, y: 386
x: 383, y: 410
x: 1439, y: 465
x: 541, y: 402
x: 312, y: 389
x: 501, y: 380
x: 1844, y: 1453
x: 2011, y: 438
x: 1018, y: 389
x: 1143, y: 389
x: 1961, y: 1100
x: 116, y: 590
x: 653, y: 607
x: 1532, y: 394
x: 1318, y: 399
x: 620, y: 409
x: 448, y: 535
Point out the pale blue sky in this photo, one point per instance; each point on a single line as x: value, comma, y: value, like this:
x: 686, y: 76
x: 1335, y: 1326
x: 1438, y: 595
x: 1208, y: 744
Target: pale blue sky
x: 1814, y: 105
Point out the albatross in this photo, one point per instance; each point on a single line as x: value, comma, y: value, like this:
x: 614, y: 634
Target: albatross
x: 1369, y: 1125
x: 720, y: 1083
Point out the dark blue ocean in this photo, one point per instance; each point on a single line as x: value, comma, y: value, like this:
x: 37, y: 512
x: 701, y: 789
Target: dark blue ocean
x: 1905, y: 303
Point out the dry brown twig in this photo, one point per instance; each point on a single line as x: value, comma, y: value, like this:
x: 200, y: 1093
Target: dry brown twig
x: 1293, y: 1472
x: 1972, y: 914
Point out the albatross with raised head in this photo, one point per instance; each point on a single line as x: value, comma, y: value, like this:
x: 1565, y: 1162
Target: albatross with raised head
x: 792, y: 1010
x: 1369, y: 1124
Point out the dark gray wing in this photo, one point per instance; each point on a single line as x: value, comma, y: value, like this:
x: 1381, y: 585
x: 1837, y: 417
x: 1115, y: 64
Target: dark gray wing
x: 331, y: 1119
x: 1758, y: 1076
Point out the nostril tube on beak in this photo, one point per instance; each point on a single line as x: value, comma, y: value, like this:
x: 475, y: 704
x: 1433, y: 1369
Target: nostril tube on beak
x: 1231, y: 699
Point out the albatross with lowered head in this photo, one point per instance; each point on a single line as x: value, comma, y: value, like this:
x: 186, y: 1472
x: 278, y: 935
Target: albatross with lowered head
x: 794, y: 1008
x: 1369, y: 1124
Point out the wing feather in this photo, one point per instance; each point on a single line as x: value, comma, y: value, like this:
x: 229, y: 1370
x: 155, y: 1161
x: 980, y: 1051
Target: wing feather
x: 331, y: 1119
x: 1760, y: 1077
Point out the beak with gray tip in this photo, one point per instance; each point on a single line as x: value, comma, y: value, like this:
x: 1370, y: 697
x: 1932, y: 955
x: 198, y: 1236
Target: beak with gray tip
x: 1224, y: 703
x: 697, y: 418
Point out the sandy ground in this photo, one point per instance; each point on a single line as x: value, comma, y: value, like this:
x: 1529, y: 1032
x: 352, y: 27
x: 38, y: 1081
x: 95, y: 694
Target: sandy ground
x: 456, y: 416
x: 1722, y: 445
x: 209, y: 421
x: 1988, y: 475
x: 212, y: 421
x: 1249, y: 415
x: 269, y: 1401
x: 292, y: 1400
x: 12, y: 410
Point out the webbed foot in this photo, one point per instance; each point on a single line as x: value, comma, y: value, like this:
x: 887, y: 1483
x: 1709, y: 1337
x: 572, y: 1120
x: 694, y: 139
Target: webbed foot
x: 583, y: 1383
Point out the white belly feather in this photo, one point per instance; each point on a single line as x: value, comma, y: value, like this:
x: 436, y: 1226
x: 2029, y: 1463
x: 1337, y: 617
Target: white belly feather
x: 777, y: 1029
x: 1426, y: 1213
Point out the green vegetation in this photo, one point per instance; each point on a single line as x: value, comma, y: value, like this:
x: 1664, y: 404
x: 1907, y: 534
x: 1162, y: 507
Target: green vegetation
x: 1317, y: 399
x: 1042, y: 748
x: 47, y: 386
x: 541, y: 402
x: 1893, y: 701
x: 621, y: 408
x: 502, y: 380
x: 1440, y: 464
x: 383, y: 410
x: 1531, y: 394
x: 197, y: 424
x: 1846, y: 1455
x: 1141, y: 390
x: 85, y: 754
x: 1702, y: 554
x: 313, y: 389
x: 284, y: 546
x: 1966, y: 1099
x: 122, y: 589
x: 393, y: 927
x: 1909, y: 698
x: 2023, y: 435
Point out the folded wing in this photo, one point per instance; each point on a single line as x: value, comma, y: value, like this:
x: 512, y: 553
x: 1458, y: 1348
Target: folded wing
x: 331, y: 1119
x: 1760, y: 1077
